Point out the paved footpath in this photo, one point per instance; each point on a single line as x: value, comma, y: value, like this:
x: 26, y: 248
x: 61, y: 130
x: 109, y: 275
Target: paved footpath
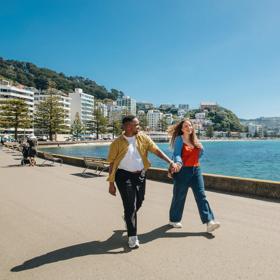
x: 56, y: 225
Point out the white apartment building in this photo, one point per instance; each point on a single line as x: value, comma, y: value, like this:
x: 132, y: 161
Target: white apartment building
x: 83, y: 104
x: 153, y: 118
x: 208, y: 106
x: 115, y: 112
x: 103, y: 109
x: 7, y: 91
x: 254, y: 129
x: 200, y: 116
x: 169, y: 118
x: 129, y: 103
x: 184, y: 107
x: 64, y: 101
x: 181, y: 113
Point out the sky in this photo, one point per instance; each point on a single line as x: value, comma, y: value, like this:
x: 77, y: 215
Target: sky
x: 158, y: 51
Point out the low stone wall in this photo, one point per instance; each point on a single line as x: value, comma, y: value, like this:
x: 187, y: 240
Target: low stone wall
x: 66, y: 159
x: 237, y: 185
x: 63, y: 143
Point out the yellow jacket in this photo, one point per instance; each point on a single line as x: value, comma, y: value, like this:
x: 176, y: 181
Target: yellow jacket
x: 119, y: 148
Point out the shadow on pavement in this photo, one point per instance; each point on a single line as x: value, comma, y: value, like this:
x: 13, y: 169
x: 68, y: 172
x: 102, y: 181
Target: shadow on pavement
x: 87, y: 175
x: 116, y: 244
x: 161, y: 232
x: 12, y: 165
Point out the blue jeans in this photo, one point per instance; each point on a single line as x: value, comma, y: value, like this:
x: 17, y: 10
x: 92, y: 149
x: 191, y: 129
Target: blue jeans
x: 185, y: 178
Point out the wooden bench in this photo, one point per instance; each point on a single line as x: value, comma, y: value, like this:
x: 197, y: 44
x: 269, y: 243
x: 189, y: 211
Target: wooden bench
x: 50, y: 157
x: 97, y: 164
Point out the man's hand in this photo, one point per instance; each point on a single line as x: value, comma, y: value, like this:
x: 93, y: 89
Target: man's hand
x: 112, y: 188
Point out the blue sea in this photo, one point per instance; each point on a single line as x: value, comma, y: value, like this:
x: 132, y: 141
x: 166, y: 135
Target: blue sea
x: 251, y: 159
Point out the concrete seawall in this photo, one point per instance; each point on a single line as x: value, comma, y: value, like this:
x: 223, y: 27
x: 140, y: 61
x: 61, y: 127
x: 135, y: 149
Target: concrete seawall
x: 237, y: 185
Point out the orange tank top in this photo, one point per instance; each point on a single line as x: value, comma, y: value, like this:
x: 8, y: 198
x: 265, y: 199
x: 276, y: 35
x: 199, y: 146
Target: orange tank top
x: 190, y: 156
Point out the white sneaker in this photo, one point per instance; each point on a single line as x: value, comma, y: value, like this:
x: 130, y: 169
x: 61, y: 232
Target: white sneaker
x: 176, y: 224
x: 133, y: 242
x: 212, y: 225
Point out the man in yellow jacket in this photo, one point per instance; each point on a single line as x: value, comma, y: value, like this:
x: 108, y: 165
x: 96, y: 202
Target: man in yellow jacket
x: 128, y: 158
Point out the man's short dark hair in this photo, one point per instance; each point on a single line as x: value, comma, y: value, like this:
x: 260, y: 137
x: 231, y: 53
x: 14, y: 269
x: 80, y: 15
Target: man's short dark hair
x: 128, y: 118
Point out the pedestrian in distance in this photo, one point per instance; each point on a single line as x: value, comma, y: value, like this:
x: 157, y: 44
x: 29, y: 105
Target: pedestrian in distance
x: 25, y: 148
x: 128, y: 165
x: 32, y: 150
x: 187, y: 151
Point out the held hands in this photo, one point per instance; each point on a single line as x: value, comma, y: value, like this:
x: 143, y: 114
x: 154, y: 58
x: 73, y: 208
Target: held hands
x: 175, y: 167
x: 112, y: 188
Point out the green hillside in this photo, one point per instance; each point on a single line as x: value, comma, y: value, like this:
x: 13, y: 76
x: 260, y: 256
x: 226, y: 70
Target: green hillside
x: 31, y: 75
x: 223, y: 119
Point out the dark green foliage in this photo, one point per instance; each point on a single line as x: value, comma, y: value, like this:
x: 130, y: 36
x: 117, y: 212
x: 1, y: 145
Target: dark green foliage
x: 49, y: 115
x: 30, y: 75
x: 14, y: 113
x: 99, y: 123
x: 210, y: 131
x: 223, y: 119
x: 77, y: 128
x: 114, y: 127
x: 143, y: 122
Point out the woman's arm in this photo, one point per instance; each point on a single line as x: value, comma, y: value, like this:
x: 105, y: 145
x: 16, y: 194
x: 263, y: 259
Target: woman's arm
x: 178, y: 145
x: 201, y: 152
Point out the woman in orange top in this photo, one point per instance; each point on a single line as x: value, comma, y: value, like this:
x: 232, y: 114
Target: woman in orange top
x: 187, y: 151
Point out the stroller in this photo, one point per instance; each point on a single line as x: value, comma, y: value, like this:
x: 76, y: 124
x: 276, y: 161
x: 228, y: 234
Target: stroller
x: 25, y: 153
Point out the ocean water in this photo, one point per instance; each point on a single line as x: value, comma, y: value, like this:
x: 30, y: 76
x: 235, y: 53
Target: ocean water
x: 251, y: 159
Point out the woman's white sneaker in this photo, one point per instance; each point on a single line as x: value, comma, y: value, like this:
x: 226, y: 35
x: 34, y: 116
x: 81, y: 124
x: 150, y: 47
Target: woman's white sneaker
x: 212, y: 225
x: 133, y: 242
x: 176, y: 224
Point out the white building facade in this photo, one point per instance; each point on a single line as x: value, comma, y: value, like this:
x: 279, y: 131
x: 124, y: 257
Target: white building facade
x: 153, y: 118
x: 129, y: 103
x: 7, y: 91
x: 83, y: 104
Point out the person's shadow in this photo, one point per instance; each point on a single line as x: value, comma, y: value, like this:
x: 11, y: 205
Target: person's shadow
x: 116, y: 244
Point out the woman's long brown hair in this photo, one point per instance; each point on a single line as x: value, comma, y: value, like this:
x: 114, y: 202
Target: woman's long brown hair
x: 176, y: 130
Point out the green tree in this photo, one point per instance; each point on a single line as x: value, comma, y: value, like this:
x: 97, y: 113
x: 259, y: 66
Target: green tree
x: 50, y: 115
x: 163, y: 124
x: 14, y: 114
x: 143, y: 121
x: 116, y: 128
x: 99, y: 123
x: 210, y: 131
x: 77, y: 128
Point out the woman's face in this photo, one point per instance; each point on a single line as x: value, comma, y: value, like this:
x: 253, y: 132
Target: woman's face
x: 187, y: 127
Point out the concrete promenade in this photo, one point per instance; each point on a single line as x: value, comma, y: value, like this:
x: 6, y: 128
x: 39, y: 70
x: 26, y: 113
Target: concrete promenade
x: 55, y: 224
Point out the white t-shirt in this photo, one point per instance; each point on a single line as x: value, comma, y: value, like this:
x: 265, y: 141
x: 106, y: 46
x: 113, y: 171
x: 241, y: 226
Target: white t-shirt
x: 132, y: 160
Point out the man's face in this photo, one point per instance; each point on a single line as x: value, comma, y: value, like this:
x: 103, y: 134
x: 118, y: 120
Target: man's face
x: 133, y: 127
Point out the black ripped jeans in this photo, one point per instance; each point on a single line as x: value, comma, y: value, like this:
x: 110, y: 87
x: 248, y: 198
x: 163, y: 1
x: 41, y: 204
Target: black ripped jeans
x: 132, y: 190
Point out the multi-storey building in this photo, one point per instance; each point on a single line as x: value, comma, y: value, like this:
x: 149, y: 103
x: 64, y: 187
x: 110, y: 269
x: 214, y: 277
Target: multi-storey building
x: 115, y: 113
x: 153, y: 118
x: 168, y: 118
x: 255, y: 130
x: 129, y: 103
x: 103, y: 109
x: 208, y: 106
x: 184, y: 107
x: 83, y: 104
x: 144, y: 106
x: 8, y: 91
x: 167, y: 107
x: 200, y: 116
